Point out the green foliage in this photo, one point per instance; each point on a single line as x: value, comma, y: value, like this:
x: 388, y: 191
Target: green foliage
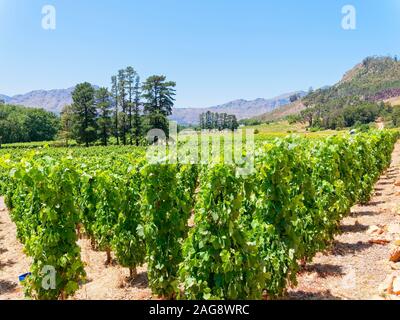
x: 343, y: 112
x: 250, y: 122
x: 165, y: 216
x: 220, y: 262
x: 159, y: 99
x: 128, y: 242
x: 19, y: 124
x: 84, y: 110
x: 218, y: 121
x: 46, y: 218
x: 104, y: 121
x: 396, y: 116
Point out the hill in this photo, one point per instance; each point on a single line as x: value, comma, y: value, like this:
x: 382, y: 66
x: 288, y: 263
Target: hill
x: 374, y: 79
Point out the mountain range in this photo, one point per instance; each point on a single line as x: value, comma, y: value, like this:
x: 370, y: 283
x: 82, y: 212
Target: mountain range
x: 55, y: 100
x: 243, y: 109
x: 50, y: 100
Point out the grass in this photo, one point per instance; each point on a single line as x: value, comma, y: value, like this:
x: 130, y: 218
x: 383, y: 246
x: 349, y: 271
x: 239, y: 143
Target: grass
x: 283, y: 128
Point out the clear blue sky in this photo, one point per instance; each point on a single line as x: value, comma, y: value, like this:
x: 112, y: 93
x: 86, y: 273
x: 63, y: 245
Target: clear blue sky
x: 216, y: 50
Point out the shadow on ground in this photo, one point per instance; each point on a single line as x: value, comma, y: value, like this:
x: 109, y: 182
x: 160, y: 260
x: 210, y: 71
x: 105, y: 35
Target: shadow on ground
x: 7, y: 286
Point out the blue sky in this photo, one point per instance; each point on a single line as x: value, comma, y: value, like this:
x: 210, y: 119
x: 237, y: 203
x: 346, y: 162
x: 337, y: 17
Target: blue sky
x: 216, y: 50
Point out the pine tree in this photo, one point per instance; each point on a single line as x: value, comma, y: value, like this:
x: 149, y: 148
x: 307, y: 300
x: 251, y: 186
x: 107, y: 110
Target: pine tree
x: 130, y: 74
x: 103, y: 104
x: 159, y: 100
x: 137, y: 121
x: 66, y: 120
x: 123, y: 103
x: 84, y: 114
x: 114, y: 93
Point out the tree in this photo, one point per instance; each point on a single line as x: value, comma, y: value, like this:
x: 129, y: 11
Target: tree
x: 234, y: 124
x: 103, y: 104
x: 308, y: 116
x: 396, y: 116
x: 114, y: 93
x: 159, y: 100
x: 202, y: 121
x: 130, y: 74
x: 84, y: 110
x: 218, y: 121
x: 41, y: 125
x: 123, y: 103
x: 66, y: 124
x: 209, y: 122
x: 294, y: 97
x: 20, y: 124
x: 137, y: 121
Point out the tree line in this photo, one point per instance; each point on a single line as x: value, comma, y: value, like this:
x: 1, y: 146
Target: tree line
x: 341, y: 113
x: 21, y: 124
x: 218, y: 121
x: 126, y: 112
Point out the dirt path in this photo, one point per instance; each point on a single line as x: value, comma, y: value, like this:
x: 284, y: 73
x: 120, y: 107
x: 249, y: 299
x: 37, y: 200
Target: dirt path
x: 353, y: 269
x: 13, y: 261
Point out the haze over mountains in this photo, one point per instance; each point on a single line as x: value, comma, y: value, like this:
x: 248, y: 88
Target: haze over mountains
x: 55, y: 100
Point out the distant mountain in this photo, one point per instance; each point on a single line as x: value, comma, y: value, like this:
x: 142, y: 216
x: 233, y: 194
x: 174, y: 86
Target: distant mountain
x: 55, y: 100
x: 243, y: 109
x: 51, y: 100
x: 4, y: 98
x: 374, y: 79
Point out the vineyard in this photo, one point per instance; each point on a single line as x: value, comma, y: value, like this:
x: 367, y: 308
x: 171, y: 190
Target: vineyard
x: 203, y: 230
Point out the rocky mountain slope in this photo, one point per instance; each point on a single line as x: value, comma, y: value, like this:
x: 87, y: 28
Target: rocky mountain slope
x: 374, y: 79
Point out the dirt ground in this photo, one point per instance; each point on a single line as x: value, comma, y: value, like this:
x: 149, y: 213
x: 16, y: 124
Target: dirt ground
x: 103, y: 283
x: 354, y: 268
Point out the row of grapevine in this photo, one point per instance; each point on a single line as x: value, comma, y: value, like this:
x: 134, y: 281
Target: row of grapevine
x: 285, y: 213
x: 249, y: 232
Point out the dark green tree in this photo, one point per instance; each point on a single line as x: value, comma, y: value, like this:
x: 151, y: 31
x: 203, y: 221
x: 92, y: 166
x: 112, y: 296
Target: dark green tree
x: 104, y: 121
x: 20, y: 124
x: 66, y: 124
x: 130, y: 75
x: 137, y: 120
x: 114, y: 93
x: 123, y: 102
x: 159, y: 100
x: 84, y: 110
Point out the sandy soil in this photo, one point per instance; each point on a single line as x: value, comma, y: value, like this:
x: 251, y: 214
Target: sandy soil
x: 13, y: 261
x: 353, y: 268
